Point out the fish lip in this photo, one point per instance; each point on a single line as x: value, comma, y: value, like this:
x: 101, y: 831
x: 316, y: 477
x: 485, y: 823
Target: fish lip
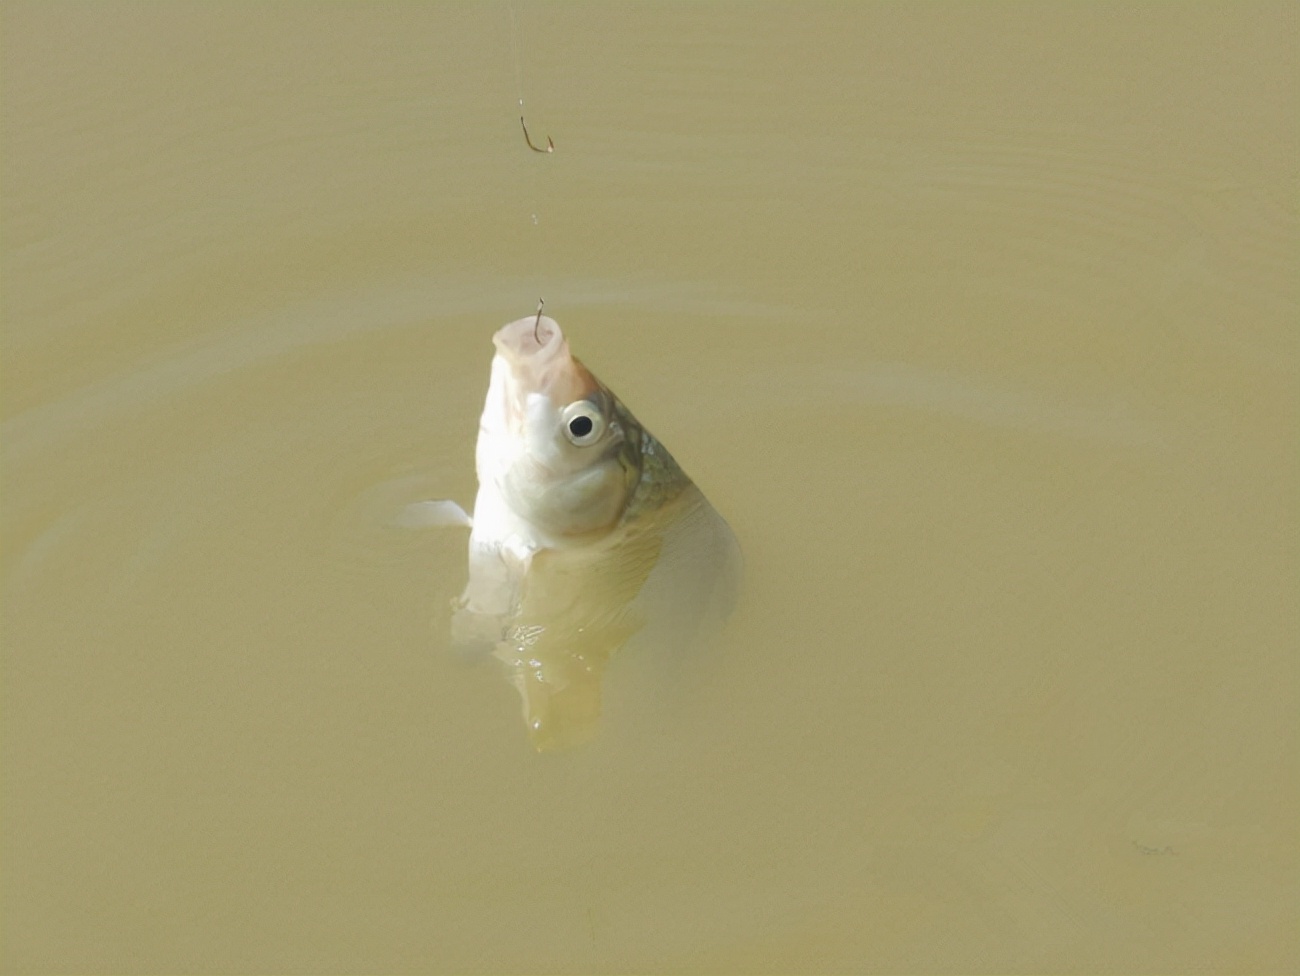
x: 537, y: 360
x: 532, y: 340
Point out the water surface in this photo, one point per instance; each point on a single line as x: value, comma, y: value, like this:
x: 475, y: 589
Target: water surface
x: 978, y: 324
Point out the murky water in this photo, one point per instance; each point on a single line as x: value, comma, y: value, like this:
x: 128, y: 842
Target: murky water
x: 978, y: 324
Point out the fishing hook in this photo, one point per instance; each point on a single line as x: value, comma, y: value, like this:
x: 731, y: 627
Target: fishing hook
x: 538, y: 320
x: 550, y: 146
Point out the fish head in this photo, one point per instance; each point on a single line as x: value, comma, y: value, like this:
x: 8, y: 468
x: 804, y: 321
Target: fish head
x: 555, y: 445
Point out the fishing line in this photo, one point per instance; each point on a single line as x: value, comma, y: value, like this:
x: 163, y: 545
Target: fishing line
x: 519, y: 95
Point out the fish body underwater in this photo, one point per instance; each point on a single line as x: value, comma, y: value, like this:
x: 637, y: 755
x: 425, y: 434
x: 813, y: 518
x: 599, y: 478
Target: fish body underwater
x: 585, y: 533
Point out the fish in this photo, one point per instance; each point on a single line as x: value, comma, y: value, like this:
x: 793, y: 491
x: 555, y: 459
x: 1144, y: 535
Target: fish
x: 585, y: 533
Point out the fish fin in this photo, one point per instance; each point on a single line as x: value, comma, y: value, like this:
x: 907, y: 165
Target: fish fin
x: 439, y: 513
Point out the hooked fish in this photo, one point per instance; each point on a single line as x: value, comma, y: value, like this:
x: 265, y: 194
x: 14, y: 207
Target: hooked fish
x: 585, y: 532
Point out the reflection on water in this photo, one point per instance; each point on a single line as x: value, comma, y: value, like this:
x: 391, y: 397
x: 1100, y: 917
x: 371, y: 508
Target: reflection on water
x: 667, y: 581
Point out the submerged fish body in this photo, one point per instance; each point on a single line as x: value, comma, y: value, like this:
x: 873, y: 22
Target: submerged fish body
x: 585, y: 532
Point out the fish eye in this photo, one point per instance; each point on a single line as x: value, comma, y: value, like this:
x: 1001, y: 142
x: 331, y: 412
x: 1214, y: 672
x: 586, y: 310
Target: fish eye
x: 583, y: 422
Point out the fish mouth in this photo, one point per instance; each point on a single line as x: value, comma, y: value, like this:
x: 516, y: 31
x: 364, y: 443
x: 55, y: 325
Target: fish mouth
x: 538, y: 357
x: 535, y: 339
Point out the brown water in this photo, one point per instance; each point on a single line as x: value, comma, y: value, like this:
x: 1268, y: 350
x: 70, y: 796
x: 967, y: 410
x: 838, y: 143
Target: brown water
x: 978, y: 323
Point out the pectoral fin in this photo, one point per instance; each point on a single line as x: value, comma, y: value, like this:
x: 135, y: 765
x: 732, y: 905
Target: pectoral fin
x: 440, y: 513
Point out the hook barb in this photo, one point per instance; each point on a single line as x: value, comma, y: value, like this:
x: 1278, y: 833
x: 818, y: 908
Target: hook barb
x: 538, y: 320
x: 550, y: 146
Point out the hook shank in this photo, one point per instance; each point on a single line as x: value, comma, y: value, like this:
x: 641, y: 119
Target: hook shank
x: 550, y: 146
